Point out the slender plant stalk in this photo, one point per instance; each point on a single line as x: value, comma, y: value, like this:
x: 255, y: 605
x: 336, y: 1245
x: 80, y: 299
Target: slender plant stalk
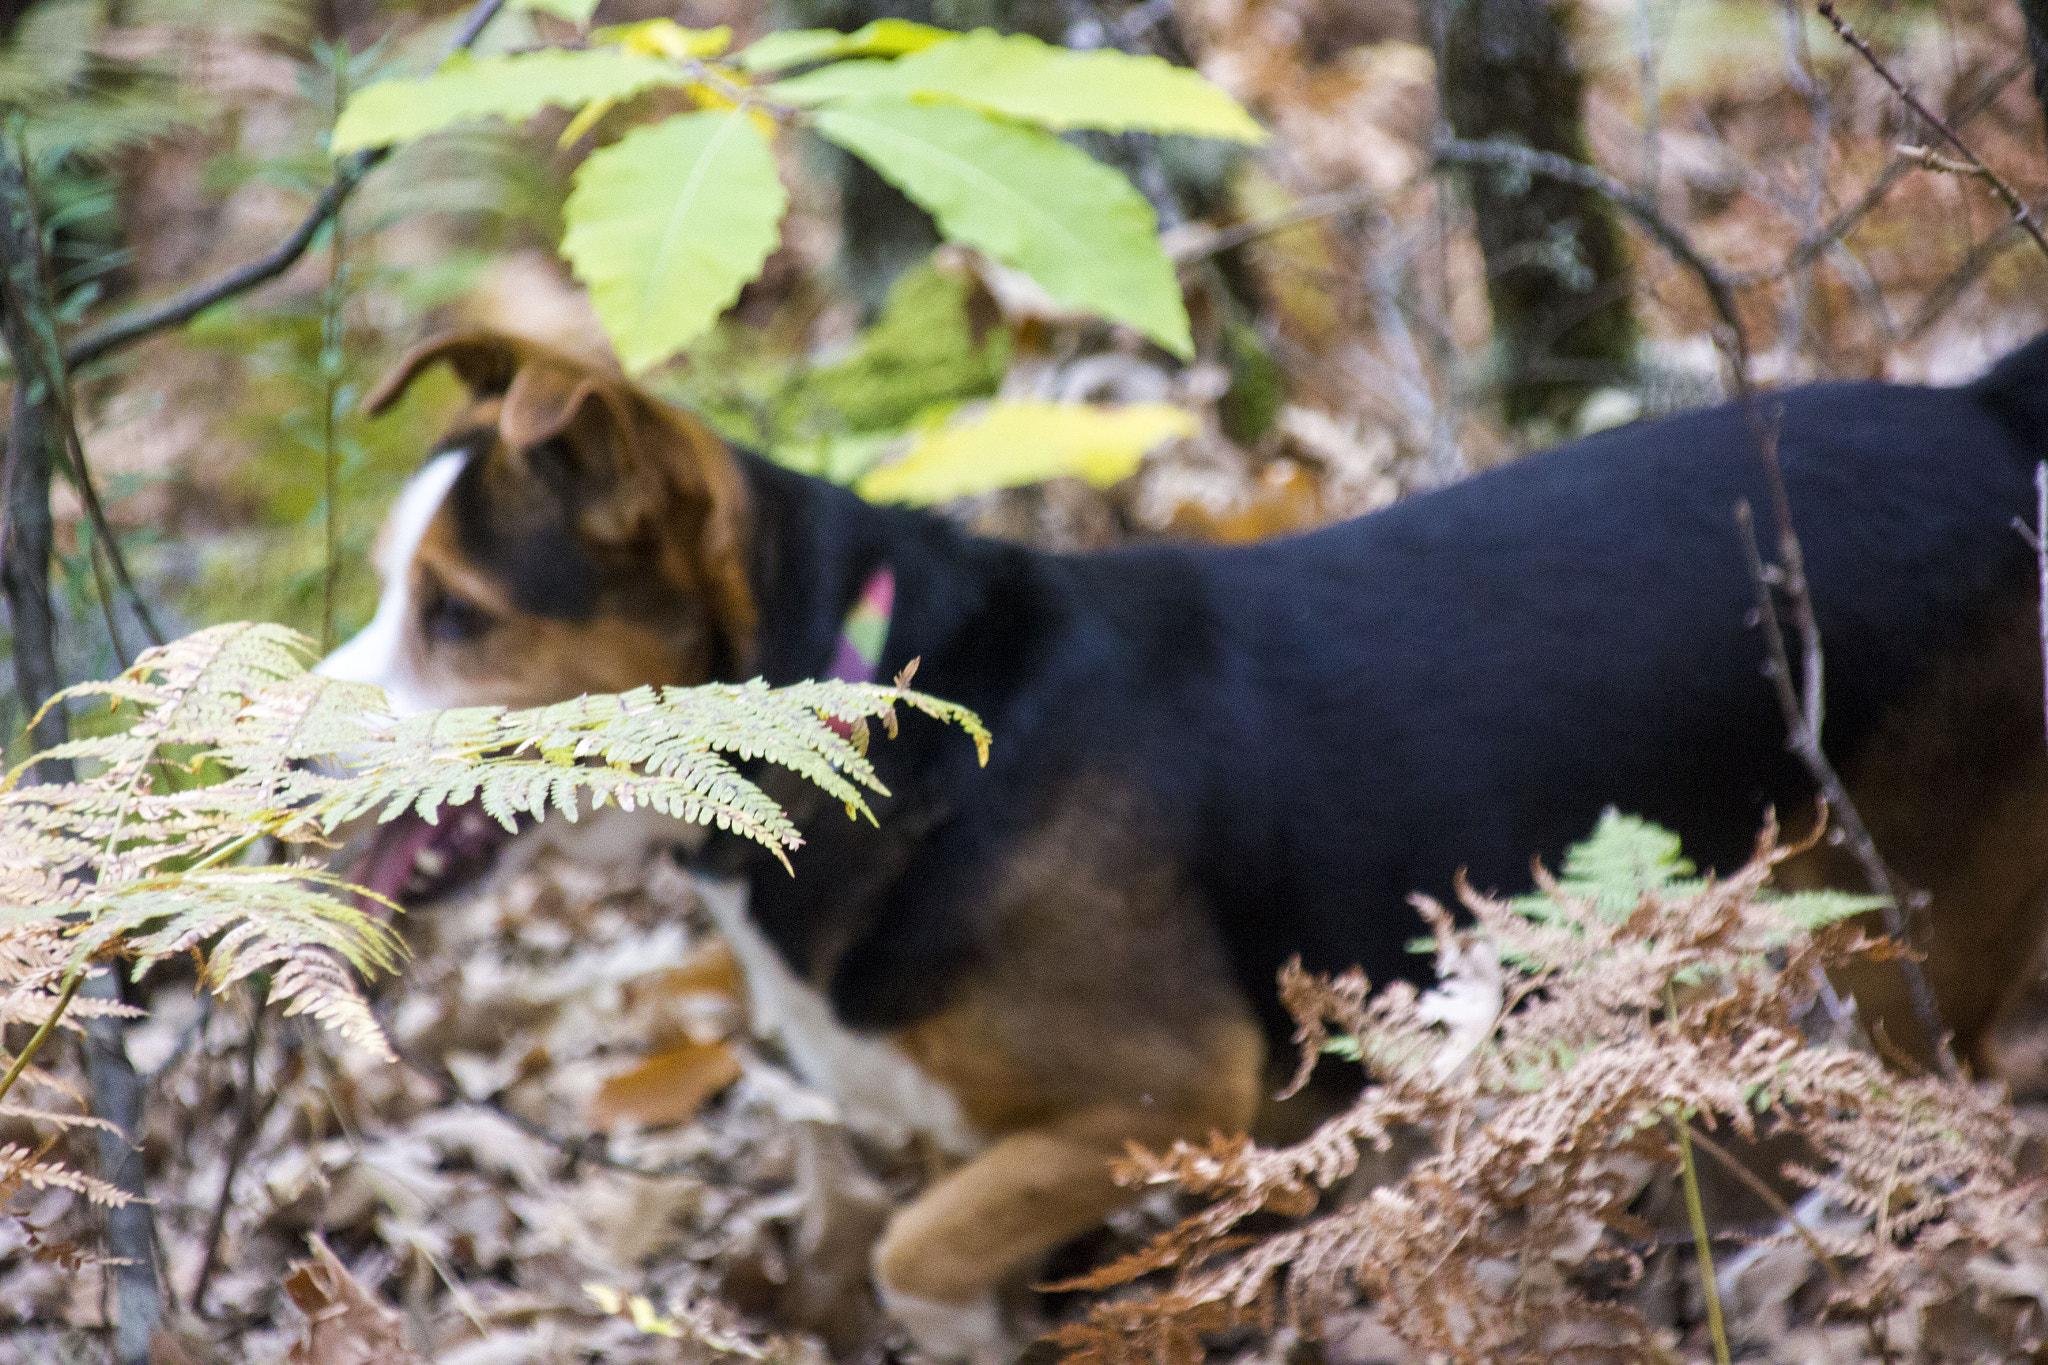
x: 332, y: 355
x: 43, y: 1030
x: 1702, y: 1245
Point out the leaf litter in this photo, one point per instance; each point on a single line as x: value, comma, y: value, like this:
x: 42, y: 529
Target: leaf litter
x: 582, y: 1155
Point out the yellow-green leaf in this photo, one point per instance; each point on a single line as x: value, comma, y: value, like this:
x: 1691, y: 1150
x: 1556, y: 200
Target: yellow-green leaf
x: 577, y: 12
x: 1008, y: 444
x: 1023, y: 78
x: 667, y: 225
x: 514, y: 87
x: 666, y: 38
x: 881, y: 38
x: 1027, y: 199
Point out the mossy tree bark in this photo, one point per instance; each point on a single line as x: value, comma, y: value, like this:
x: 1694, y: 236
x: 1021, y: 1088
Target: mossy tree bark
x: 1557, y: 267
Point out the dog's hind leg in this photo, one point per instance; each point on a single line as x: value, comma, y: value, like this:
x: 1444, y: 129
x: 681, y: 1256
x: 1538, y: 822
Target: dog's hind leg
x: 991, y: 1224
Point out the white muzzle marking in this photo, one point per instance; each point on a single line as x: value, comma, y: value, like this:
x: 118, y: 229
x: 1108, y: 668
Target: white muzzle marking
x: 378, y: 653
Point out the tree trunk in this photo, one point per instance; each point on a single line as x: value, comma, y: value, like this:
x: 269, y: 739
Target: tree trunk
x: 1557, y: 269
x: 2036, y: 12
x: 31, y: 446
x: 28, y: 326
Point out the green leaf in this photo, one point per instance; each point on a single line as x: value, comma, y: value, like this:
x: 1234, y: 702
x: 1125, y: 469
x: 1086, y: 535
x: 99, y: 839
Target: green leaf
x: 882, y: 38
x: 1008, y: 444
x: 1627, y: 855
x: 667, y: 225
x: 514, y: 87
x: 1023, y: 78
x: 1810, y: 910
x: 577, y: 12
x: 1028, y: 200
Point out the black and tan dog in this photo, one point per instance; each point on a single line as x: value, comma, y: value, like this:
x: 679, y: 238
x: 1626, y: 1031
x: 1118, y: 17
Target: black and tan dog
x: 1210, y: 760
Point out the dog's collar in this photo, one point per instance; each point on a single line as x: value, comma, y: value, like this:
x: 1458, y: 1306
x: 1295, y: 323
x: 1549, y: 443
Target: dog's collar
x: 858, y: 655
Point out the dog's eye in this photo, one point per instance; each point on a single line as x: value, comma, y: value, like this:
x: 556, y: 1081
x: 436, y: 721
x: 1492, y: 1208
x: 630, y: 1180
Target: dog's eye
x: 448, y: 619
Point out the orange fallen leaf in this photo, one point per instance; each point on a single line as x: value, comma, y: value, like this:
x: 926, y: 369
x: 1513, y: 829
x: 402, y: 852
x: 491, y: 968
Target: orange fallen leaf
x: 668, y: 1087
x: 710, y: 970
x: 345, y: 1323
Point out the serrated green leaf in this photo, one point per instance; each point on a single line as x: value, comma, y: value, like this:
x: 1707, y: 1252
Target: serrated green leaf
x: 577, y: 12
x: 1009, y: 444
x: 514, y: 87
x: 1024, y: 78
x: 1810, y: 910
x: 1028, y: 200
x: 667, y: 225
x: 1627, y: 855
x: 881, y: 38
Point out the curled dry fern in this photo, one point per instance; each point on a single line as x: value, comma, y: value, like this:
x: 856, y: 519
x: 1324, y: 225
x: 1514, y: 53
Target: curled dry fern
x: 1571, y: 1034
x: 224, y: 737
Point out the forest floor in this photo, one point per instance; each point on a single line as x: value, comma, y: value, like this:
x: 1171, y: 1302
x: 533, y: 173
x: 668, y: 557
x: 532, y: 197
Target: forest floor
x: 582, y: 1115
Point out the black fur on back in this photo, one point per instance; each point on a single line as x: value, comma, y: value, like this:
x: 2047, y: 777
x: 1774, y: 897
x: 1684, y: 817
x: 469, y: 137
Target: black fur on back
x: 1322, y: 725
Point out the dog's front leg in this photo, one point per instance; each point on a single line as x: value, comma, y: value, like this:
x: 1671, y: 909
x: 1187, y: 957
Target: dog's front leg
x: 991, y: 1224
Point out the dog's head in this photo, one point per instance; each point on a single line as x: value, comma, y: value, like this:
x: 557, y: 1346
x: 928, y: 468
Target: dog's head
x: 569, y: 535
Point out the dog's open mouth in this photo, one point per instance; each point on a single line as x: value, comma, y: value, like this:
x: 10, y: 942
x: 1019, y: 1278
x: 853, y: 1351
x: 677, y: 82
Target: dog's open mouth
x: 410, y: 862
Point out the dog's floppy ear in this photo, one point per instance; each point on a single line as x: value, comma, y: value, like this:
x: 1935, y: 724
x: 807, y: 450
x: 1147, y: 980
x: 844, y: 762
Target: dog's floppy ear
x: 484, y: 361
x: 701, y: 466
x: 641, y: 470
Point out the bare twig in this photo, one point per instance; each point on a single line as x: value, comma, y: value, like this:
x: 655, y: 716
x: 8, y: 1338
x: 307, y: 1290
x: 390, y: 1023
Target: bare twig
x: 98, y: 342
x: 1813, y: 246
x: 2036, y: 537
x: 1335, y: 204
x: 248, y: 1117
x: 1804, y: 715
x: 2014, y: 205
x: 1514, y: 156
x: 1951, y: 288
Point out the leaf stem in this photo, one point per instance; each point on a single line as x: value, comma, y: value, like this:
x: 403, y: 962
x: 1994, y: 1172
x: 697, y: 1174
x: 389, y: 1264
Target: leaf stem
x: 1700, y: 1242
x: 1695, y: 1211
x: 64, y: 997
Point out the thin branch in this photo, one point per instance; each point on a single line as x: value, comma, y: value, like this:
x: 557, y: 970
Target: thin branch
x: 1529, y: 161
x: 2036, y: 537
x: 1803, y: 718
x: 1811, y: 248
x: 118, y: 333
x: 2014, y: 205
x: 248, y: 1118
x: 1335, y: 204
x: 1951, y: 288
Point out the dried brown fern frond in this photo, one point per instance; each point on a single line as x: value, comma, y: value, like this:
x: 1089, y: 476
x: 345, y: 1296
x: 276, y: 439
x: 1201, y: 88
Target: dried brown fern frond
x: 1570, y: 1035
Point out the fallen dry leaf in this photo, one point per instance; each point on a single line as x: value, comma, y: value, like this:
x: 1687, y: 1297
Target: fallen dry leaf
x: 345, y: 1323
x: 668, y: 1087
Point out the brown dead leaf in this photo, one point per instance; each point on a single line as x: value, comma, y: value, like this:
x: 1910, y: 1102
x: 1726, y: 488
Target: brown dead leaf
x: 345, y: 1323
x: 668, y: 1087
x: 710, y: 970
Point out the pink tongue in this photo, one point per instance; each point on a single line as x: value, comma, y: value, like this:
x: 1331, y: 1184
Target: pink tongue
x: 388, y: 865
x: 462, y: 848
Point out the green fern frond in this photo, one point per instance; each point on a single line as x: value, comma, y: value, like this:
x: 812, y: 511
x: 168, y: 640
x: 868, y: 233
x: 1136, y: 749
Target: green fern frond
x: 229, y: 739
